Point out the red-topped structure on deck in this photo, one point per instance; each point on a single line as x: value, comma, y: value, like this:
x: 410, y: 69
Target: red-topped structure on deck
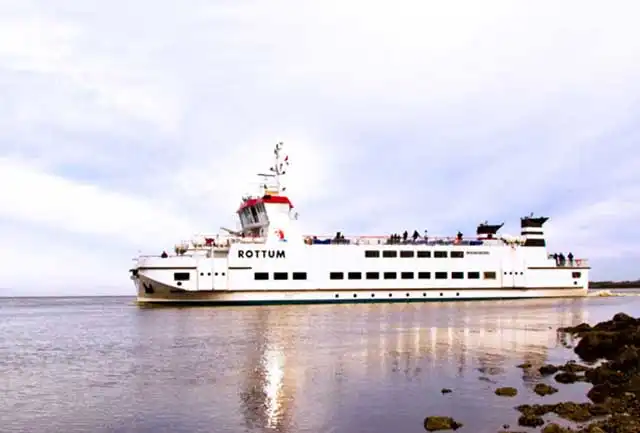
x: 258, y: 213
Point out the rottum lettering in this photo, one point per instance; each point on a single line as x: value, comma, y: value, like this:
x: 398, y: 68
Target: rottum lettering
x: 261, y: 254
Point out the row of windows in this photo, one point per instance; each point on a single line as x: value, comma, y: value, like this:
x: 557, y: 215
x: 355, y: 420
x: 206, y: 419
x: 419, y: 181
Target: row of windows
x: 408, y: 254
x: 280, y: 276
x: 410, y: 275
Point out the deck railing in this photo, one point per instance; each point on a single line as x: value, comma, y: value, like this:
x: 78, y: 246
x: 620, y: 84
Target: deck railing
x: 575, y: 263
x: 387, y: 240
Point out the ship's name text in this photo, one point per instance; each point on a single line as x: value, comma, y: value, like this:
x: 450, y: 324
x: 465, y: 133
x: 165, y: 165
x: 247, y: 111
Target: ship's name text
x: 261, y: 254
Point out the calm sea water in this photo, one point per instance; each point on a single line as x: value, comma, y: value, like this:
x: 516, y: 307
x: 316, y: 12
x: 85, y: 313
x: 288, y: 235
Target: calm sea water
x: 105, y: 365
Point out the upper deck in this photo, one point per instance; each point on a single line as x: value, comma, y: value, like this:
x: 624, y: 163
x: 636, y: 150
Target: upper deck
x: 206, y: 245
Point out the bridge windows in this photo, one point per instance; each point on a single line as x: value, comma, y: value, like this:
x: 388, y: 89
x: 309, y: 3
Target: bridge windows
x: 441, y: 275
x: 489, y: 275
x: 424, y: 275
x: 457, y: 254
x: 354, y: 275
x: 372, y: 254
x: 457, y: 275
x: 424, y: 254
x: 373, y: 275
x: 261, y: 276
x: 473, y: 275
x: 389, y: 254
x: 406, y: 275
x: 406, y: 254
x: 181, y: 276
x: 439, y: 254
x: 336, y: 275
x: 390, y: 275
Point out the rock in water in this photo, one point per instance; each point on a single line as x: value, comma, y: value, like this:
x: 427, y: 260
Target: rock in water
x: 543, y: 389
x: 507, y: 391
x: 435, y: 423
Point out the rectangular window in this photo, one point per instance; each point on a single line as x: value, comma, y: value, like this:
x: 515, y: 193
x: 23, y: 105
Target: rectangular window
x: 280, y: 276
x: 424, y: 254
x: 457, y: 275
x: 261, y: 276
x: 576, y: 274
x: 372, y: 254
x: 390, y: 275
x: 473, y: 275
x: 389, y: 254
x: 181, y: 276
x: 489, y: 275
x: 299, y: 275
x: 406, y: 254
x: 439, y: 254
x: 354, y: 275
x: 336, y: 276
x: 457, y: 254
x: 406, y: 275
x: 441, y: 275
x: 373, y: 275
x: 424, y: 275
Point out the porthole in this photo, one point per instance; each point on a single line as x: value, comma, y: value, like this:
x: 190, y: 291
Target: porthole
x: 202, y: 274
x: 440, y: 293
x: 390, y: 295
x: 373, y: 295
x: 457, y: 294
x: 216, y: 274
x: 179, y: 283
x: 424, y: 294
x: 355, y: 296
x: 223, y: 274
x: 208, y: 274
x: 337, y: 296
x: 575, y: 283
x: 407, y: 295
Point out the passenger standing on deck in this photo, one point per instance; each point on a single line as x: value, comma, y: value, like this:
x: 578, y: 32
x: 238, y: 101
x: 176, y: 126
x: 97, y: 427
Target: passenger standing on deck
x: 405, y: 236
x: 556, y: 258
x: 570, y: 257
x: 415, y: 236
x: 562, y: 259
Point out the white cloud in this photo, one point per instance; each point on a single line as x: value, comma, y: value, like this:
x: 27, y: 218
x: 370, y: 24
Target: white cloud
x: 134, y: 126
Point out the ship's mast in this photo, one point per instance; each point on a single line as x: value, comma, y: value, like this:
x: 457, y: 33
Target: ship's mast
x: 272, y: 180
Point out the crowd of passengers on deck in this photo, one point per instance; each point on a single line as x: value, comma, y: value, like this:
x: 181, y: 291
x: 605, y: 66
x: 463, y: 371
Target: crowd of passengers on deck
x: 404, y: 239
x: 561, y: 260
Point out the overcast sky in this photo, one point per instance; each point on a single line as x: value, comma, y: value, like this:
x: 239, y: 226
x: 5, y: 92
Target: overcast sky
x: 130, y: 125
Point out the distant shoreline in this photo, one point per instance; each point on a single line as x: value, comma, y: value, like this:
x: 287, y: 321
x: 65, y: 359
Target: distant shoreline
x: 614, y: 284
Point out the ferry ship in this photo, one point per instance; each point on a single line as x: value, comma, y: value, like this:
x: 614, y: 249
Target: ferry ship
x: 269, y: 260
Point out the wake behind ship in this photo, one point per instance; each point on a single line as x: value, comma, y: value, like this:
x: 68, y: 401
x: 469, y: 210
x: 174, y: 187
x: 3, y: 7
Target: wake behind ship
x: 269, y: 260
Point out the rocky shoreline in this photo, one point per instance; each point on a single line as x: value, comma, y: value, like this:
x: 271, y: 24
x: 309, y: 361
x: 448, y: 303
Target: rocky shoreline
x: 614, y: 405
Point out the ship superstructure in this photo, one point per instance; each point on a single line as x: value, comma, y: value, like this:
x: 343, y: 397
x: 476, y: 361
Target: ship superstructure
x: 269, y: 260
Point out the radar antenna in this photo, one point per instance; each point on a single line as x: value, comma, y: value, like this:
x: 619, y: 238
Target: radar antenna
x: 271, y: 180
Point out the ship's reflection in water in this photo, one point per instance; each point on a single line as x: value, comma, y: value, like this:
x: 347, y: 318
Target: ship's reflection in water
x: 112, y: 367
x: 326, y: 368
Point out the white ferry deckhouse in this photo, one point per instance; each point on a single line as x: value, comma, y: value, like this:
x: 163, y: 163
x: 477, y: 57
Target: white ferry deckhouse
x: 268, y: 260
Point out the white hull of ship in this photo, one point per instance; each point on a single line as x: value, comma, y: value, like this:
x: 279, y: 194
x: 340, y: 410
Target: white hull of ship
x: 168, y: 295
x: 229, y: 277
